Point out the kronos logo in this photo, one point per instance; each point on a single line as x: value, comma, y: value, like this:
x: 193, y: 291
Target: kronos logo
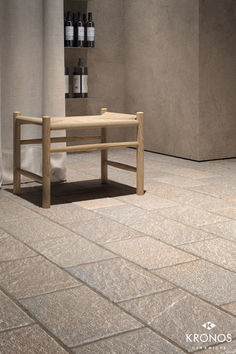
x: 207, y: 337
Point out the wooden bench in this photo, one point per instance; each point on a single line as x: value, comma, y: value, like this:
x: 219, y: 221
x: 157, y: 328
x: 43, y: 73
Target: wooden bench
x: 103, y: 121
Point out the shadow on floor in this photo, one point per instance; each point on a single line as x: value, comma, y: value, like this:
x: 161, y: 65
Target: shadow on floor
x: 69, y: 192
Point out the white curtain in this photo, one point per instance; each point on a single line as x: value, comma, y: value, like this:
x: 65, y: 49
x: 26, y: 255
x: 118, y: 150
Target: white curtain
x: 32, y: 77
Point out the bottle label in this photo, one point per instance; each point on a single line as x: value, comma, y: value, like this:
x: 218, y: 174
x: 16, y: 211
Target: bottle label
x: 76, y: 84
x: 84, y: 83
x: 90, y: 34
x: 69, y: 33
x: 81, y: 33
x: 66, y: 83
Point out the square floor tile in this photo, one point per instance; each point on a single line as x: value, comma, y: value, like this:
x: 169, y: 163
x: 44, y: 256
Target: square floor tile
x: 11, y: 315
x: 9, y: 210
x: 140, y: 341
x: 218, y: 251
x: 11, y: 249
x: 223, y: 229
x: 125, y: 214
x: 180, y: 181
x: 103, y: 230
x: 171, y: 231
x: 147, y: 201
x: 191, y: 216
x: 63, y: 213
x: 175, y: 314
x: 33, y: 276
x: 228, y: 213
x: 230, y: 307
x: 210, y: 282
x: 206, y: 202
x: 149, y: 253
x: 119, y: 280
x: 79, y: 315
x: 28, y: 340
x: 167, y: 191
x: 99, y: 203
x: 71, y: 250
x: 193, y: 173
x: 32, y: 231
x: 218, y: 190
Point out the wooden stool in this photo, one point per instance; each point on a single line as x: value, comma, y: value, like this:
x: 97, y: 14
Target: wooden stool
x: 103, y: 121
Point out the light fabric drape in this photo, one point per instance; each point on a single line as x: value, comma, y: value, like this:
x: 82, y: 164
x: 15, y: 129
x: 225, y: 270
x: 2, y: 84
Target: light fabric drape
x: 32, y: 77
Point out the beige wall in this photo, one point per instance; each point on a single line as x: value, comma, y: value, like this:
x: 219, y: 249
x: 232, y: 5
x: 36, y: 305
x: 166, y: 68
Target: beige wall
x: 161, y: 47
x: 217, y: 79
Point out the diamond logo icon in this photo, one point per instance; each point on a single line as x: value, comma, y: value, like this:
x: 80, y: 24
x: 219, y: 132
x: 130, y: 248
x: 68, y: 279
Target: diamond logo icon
x: 208, y: 325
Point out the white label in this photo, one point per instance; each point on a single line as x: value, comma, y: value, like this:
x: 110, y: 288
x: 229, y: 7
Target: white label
x: 66, y: 83
x: 76, y: 83
x: 84, y: 83
x: 90, y: 33
x: 69, y: 33
x: 81, y: 33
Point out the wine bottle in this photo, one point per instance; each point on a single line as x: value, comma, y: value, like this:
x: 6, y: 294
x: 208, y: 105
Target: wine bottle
x: 83, y: 79
x: 85, y: 29
x: 77, y: 83
x: 66, y: 83
x: 69, y: 31
x: 80, y: 31
x: 90, y: 31
x: 80, y: 81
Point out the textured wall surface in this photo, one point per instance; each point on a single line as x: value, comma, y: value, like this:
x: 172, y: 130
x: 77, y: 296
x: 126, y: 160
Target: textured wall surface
x: 217, y: 91
x: 161, y: 47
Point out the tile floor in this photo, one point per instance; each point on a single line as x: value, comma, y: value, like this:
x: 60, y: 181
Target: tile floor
x: 105, y: 271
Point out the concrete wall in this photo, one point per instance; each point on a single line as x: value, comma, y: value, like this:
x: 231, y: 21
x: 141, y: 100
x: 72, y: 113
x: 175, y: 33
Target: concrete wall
x: 161, y: 47
x: 217, y: 94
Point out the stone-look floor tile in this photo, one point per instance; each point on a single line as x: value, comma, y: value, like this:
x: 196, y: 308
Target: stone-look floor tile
x: 28, y: 340
x: 63, y: 213
x: 147, y: 201
x: 206, y: 202
x: 218, y: 251
x: 32, y: 231
x: 79, y: 315
x: 224, y: 348
x: 204, y: 279
x: 149, y: 253
x: 9, y: 210
x: 11, y: 315
x: 171, y: 231
x: 167, y: 191
x: 217, y: 190
x: 191, y: 216
x: 99, y: 203
x: 11, y: 249
x: 125, y: 214
x: 71, y: 250
x: 223, y: 229
x: 193, y: 173
x: 229, y: 213
x: 175, y: 313
x: 3, y: 234
x: 179, y: 181
x: 33, y: 276
x: 103, y: 230
x: 230, y: 307
x: 140, y: 341
x: 119, y: 280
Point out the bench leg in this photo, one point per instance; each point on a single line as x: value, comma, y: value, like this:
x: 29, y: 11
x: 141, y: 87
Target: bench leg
x: 104, y: 153
x: 140, y: 156
x: 16, y: 154
x: 46, y: 200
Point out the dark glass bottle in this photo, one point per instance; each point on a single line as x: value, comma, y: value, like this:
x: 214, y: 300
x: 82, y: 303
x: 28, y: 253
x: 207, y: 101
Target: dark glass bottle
x: 69, y: 30
x: 79, y: 32
x: 85, y: 29
x: 66, y: 83
x: 90, y: 31
x: 80, y: 81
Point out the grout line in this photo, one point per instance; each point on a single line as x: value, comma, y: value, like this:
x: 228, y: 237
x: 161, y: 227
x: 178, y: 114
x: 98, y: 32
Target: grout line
x: 16, y: 327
